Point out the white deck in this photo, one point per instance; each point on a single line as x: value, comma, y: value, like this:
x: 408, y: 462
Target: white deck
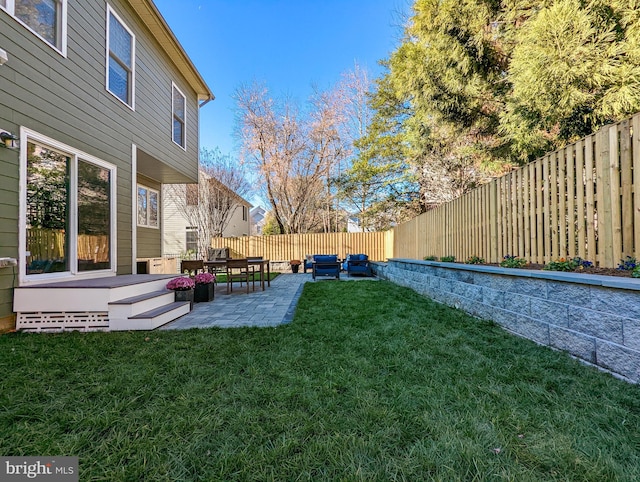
x: 128, y: 302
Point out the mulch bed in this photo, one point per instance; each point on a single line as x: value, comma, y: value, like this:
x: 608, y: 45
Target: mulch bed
x: 594, y: 270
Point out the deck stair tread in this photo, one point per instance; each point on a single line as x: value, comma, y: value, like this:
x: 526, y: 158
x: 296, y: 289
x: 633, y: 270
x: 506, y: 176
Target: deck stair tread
x: 137, y: 299
x: 159, y: 311
x: 106, y: 282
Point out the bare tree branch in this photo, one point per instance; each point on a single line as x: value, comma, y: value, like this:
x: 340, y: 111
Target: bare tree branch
x: 210, y: 204
x: 293, y: 152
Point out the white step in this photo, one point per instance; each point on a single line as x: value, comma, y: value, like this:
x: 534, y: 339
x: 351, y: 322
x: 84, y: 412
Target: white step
x: 152, y: 319
x: 128, y: 307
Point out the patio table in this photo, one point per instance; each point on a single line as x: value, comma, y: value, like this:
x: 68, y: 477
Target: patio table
x: 220, y: 264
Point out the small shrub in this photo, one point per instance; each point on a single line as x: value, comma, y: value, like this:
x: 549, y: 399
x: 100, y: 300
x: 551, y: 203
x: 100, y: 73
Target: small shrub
x: 628, y: 264
x: 559, y: 265
x: 569, y: 264
x: 188, y: 254
x: 636, y: 272
x: 513, y: 262
x: 582, y: 263
x: 474, y: 260
x: 431, y: 258
x: 448, y: 259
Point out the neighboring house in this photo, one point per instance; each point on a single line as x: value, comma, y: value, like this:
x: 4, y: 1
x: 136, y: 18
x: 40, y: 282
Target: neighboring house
x: 181, y: 233
x: 353, y: 225
x: 105, y: 103
x: 258, y: 215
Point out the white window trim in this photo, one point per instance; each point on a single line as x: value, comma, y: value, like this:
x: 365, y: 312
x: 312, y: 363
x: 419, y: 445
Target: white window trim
x: 149, y: 190
x: 190, y: 229
x: 24, y: 279
x: 173, y: 85
x: 10, y: 9
x: 111, y: 11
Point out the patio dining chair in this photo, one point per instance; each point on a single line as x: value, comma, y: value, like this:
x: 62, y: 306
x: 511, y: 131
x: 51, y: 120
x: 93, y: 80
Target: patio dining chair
x: 239, y: 270
x: 192, y: 266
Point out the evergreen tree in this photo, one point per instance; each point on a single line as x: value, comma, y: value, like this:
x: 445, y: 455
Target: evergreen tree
x: 478, y: 86
x: 574, y: 68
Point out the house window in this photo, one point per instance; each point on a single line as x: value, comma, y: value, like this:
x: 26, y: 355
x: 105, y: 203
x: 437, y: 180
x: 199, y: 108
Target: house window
x: 147, y: 207
x: 179, y: 108
x: 68, y: 209
x: 192, y: 239
x: 120, y: 59
x: 46, y: 18
x: 244, y: 213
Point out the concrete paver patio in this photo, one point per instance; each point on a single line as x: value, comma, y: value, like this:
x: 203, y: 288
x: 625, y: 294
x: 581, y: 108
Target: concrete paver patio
x: 272, y: 307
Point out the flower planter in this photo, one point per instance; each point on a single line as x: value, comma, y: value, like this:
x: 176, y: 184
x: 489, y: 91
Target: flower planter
x: 203, y: 292
x: 185, y: 295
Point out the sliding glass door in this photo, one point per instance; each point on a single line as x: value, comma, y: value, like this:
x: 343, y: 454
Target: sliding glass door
x: 69, y: 209
x: 48, y: 208
x: 94, y: 217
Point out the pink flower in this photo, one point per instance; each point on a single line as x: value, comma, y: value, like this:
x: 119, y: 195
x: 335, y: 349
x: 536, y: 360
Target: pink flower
x: 180, y: 284
x: 204, y: 278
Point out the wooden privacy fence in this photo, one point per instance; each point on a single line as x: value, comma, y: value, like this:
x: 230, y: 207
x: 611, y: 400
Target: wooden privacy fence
x: 582, y: 200
x: 295, y: 246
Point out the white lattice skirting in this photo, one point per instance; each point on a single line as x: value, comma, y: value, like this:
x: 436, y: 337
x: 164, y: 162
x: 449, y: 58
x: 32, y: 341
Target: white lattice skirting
x: 61, y: 321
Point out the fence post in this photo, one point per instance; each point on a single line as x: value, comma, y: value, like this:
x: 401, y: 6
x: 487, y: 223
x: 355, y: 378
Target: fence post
x: 603, y: 198
x: 635, y: 147
x: 626, y: 188
x: 614, y: 180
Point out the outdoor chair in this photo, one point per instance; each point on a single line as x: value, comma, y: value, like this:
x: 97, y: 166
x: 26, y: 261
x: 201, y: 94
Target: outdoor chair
x: 357, y: 264
x: 308, y: 262
x: 191, y: 266
x: 326, y: 265
x: 217, y: 254
x: 256, y: 269
x: 239, y: 270
x: 214, y: 254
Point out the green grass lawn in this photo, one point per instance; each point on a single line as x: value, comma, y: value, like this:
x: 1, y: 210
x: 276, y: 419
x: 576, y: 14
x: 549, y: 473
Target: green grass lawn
x: 369, y: 382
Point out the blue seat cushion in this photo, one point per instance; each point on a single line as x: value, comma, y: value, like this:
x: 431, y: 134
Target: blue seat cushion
x: 325, y: 258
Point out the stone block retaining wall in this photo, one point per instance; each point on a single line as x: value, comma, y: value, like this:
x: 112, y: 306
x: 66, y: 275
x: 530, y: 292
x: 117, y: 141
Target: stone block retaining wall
x: 595, y: 318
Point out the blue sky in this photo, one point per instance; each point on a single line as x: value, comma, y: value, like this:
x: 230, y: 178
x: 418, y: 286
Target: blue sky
x: 288, y: 44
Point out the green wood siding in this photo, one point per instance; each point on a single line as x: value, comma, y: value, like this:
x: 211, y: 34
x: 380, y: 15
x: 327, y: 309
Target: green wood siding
x: 66, y: 99
x: 8, y: 223
x: 149, y: 239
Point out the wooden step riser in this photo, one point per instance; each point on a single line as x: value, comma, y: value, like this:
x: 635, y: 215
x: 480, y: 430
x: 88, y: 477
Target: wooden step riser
x: 78, y: 299
x: 147, y: 323
x: 137, y: 289
x: 125, y: 311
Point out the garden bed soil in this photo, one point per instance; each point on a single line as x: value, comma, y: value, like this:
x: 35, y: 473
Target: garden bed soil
x: 593, y: 270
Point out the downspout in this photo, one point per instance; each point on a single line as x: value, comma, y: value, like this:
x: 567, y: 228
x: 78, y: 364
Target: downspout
x: 205, y: 102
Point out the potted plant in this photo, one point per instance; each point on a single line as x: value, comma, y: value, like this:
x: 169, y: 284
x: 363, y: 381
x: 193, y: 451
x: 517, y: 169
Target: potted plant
x: 295, y: 265
x: 183, y: 289
x: 204, y: 287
